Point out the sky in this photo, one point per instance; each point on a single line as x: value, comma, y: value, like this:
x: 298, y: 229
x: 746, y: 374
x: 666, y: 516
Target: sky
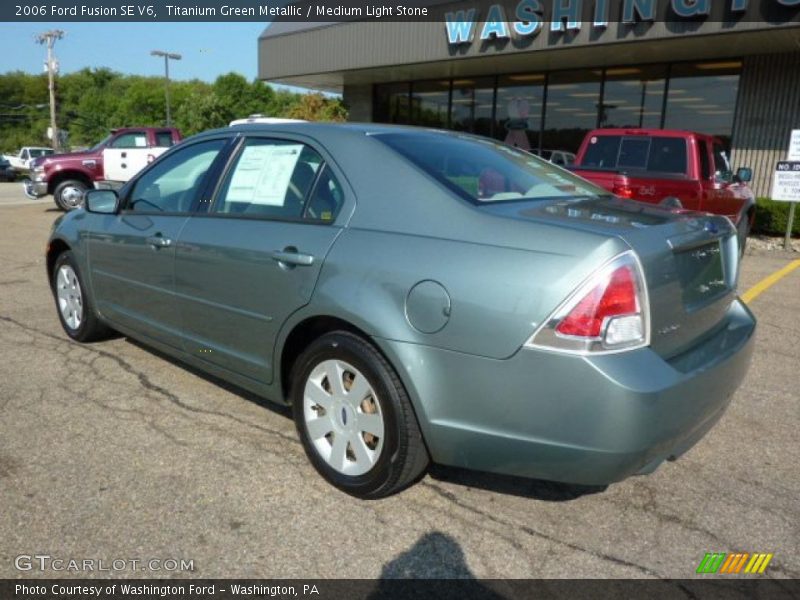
x: 208, y: 49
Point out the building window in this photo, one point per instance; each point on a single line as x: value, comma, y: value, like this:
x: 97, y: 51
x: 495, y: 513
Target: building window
x: 573, y: 99
x: 519, y: 110
x: 430, y: 102
x: 633, y: 97
x: 392, y: 103
x: 702, y: 97
x: 546, y: 113
x: 471, y: 108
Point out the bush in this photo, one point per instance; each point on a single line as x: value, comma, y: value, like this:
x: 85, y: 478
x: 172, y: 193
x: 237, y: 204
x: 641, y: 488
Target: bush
x: 771, y: 216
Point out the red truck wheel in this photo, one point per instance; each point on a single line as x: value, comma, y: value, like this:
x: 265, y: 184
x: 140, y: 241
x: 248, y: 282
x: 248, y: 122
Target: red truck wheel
x: 69, y: 194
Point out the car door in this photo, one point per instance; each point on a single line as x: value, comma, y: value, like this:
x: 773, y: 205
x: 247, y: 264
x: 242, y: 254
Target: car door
x: 132, y: 254
x: 728, y: 194
x: 254, y: 258
x: 125, y: 155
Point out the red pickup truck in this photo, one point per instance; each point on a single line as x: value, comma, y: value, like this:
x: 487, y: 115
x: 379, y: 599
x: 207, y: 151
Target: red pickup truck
x: 110, y: 163
x: 680, y: 169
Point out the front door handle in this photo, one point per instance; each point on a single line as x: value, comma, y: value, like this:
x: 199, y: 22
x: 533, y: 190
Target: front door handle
x: 158, y: 241
x: 291, y: 257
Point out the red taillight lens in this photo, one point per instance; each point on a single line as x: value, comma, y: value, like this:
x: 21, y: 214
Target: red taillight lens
x: 608, y: 312
x: 611, y: 298
x: 622, y: 190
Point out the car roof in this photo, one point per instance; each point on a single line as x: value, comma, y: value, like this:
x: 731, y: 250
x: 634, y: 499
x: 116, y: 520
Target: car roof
x: 328, y: 130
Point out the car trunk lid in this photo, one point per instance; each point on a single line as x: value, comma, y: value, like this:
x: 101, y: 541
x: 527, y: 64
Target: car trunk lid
x: 690, y: 259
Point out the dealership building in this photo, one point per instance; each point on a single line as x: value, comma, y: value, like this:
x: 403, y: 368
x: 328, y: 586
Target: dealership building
x: 540, y: 79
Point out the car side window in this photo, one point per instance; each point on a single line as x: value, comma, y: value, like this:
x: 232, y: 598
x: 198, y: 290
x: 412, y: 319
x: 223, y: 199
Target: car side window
x: 722, y: 168
x: 172, y: 184
x: 326, y: 198
x: 163, y: 139
x: 132, y: 139
x: 270, y: 178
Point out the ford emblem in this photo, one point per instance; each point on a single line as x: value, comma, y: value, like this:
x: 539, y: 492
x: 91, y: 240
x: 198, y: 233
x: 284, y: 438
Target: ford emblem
x: 711, y: 227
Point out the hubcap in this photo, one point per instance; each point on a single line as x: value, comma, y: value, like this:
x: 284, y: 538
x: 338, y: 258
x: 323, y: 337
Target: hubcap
x: 72, y: 196
x: 70, y: 299
x: 343, y: 417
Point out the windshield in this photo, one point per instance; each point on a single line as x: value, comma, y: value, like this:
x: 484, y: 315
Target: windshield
x: 481, y: 170
x: 99, y: 144
x: 37, y: 152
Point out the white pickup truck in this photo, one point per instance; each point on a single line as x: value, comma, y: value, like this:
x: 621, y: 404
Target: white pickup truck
x: 109, y: 163
x: 21, y: 161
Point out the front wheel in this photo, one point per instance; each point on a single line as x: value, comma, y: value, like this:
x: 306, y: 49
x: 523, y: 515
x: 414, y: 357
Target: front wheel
x: 69, y: 194
x: 354, y: 417
x: 75, y: 310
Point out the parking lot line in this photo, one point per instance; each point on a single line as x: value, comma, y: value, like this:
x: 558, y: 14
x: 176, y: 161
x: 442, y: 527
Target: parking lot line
x: 768, y: 281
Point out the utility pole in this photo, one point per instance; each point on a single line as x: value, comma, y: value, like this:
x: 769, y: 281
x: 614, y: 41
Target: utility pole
x: 167, y: 56
x: 49, y: 38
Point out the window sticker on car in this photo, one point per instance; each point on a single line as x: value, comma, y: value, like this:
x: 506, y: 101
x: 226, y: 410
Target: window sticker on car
x: 263, y: 174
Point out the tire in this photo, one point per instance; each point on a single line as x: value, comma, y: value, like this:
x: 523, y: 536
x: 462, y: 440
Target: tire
x: 742, y: 231
x: 384, y: 457
x: 671, y: 202
x: 73, y: 304
x: 68, y: 194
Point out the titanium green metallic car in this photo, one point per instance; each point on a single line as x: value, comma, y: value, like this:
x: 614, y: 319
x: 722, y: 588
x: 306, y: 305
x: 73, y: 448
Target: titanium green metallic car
x: 418, y: 296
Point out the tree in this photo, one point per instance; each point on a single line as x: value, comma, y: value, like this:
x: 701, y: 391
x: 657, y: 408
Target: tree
x: 316, y: 107
x: 92, y: 101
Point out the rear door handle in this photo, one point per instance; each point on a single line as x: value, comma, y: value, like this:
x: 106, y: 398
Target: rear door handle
x: 291, y: 257
x: 159, y: 241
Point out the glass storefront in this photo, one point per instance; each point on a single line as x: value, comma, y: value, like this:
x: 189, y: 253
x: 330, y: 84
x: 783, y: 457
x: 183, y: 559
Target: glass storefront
x: 472, y: 106
x: 702, y: 97
x: 573, y: 98
x: 520, y: 99
x: 553, y: 111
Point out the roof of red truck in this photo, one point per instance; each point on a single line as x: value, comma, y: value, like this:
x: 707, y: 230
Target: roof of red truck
x: 642, y: 131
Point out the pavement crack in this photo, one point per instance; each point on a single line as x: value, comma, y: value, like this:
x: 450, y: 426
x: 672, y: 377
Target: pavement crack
x: 146, y: 383
x: 535, y: 533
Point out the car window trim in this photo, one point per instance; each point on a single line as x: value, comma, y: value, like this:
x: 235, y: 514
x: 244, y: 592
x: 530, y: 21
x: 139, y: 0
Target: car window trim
x: 131, y: 185
x: 215, y: 174
x: 236, y: 153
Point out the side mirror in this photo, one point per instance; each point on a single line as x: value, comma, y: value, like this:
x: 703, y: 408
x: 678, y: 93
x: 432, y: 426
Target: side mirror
x: 105, y: 202
x: 744, y: 174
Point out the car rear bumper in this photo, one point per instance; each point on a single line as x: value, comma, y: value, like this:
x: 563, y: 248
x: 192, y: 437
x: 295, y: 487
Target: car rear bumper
x: 582, y: 420
x: 34, y: 189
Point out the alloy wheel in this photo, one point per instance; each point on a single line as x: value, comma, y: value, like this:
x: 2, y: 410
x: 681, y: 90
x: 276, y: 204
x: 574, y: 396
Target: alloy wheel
x: 70, y: 298
x: 343, y: 417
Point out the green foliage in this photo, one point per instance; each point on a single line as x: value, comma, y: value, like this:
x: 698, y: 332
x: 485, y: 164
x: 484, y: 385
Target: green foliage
x: 92, y: 101
x: 771, y: 217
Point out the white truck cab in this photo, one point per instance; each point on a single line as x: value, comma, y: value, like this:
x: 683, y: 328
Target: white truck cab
x: 21, y: 161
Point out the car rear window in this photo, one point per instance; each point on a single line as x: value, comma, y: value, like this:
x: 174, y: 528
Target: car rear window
x: 481, y: 170
x: 658, y: 154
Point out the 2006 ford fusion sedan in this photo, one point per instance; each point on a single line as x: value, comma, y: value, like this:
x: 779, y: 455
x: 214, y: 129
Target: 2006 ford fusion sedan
x: 418, y: 296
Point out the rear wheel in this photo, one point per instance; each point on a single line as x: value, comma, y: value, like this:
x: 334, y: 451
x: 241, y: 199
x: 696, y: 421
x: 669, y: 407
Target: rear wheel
x: 354, y: 417
x: 671, y: 202
x: 75, y: 310
x: 69, y: 194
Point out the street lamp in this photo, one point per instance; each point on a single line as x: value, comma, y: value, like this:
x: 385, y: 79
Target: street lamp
x: 167, y: 56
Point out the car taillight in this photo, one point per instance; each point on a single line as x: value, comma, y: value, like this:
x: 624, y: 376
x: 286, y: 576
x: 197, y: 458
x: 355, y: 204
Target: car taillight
x: 607, y: 313
x: 623, y: 190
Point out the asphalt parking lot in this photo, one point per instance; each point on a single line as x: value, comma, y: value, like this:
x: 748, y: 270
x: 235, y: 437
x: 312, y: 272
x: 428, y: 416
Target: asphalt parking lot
x: 111, y: 451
